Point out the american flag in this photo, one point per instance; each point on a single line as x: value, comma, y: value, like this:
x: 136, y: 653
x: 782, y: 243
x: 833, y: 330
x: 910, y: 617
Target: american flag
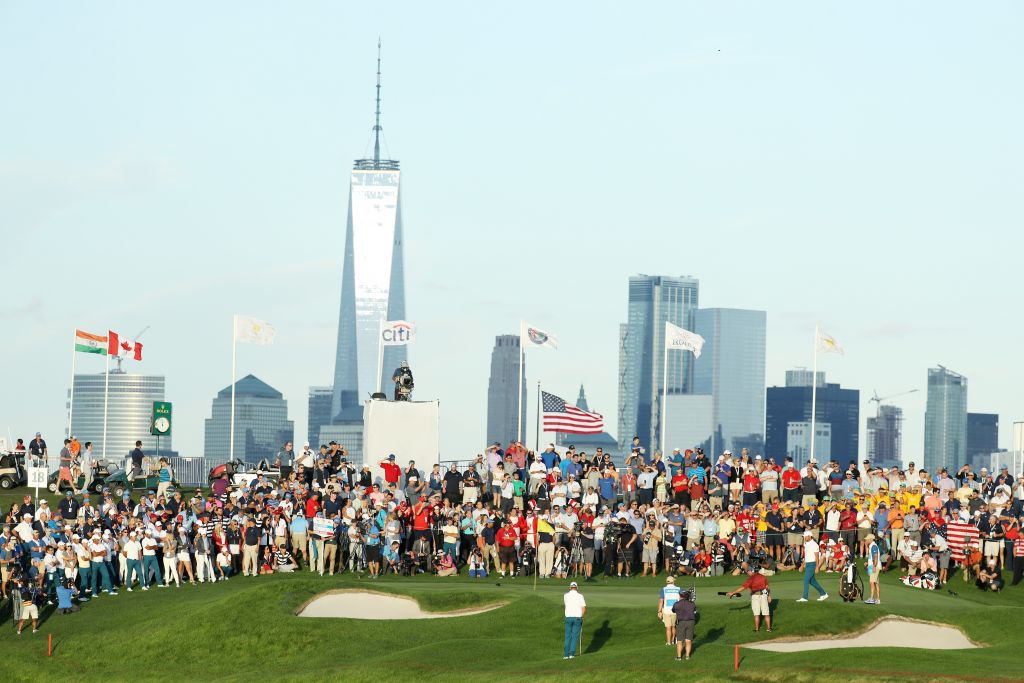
x: 560, y: 416
x: 959, y: 535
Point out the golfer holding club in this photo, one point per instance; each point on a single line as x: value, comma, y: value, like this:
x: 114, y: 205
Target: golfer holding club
x: 575, y: 609
x: 760, y: 597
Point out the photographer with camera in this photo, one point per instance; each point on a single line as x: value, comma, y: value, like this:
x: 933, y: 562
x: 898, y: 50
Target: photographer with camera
x: 402, y: 377
x: 760, y: 597
x: 651, y: 541
x: 626, y: 547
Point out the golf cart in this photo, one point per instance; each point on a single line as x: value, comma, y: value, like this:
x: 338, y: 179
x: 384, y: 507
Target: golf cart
x: 12, y: 471
x: 100, y: 475
x: 240, y: 473
x: 118, y: 481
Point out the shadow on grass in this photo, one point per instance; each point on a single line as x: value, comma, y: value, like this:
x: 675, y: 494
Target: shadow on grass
x: 601, y: 636
x: 712, y: 636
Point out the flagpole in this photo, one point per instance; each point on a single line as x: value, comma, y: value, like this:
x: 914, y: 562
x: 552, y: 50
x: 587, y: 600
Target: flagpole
x: 536, y: 440
x: 664, y: 396
x: 519, y: 386
x: 106, y: 391
x: 71, y: 404
x: 234, y: 344
x: 380, y: 356
x: 814, y: 392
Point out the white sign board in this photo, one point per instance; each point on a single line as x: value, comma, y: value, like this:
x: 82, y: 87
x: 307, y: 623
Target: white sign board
x: 37, y: 477
x: 324, y: 528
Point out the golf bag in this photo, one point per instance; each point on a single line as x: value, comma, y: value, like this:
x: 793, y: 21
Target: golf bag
x: 851, y: 586
x: 527, y: 560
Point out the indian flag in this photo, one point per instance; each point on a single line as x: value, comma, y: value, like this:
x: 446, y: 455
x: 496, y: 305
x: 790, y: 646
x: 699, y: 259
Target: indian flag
x: 90, y: 343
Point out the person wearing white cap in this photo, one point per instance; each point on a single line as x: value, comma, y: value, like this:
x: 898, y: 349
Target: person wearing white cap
x: 873, y: 566
x: 149, y: 561
x: 575, y: 610
x: 132, y: 554
x: 98, y: 566
x: 669, y: 596
x: 811, y: 552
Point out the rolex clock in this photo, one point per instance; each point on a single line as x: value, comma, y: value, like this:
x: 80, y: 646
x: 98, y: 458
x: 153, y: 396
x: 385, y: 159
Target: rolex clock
x: 161, y: 424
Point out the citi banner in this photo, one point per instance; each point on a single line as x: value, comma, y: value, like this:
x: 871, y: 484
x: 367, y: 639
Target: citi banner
x: 397, y: 332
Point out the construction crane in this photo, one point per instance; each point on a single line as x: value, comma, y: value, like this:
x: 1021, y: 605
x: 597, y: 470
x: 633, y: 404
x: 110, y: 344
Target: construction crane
x: 880, y: 399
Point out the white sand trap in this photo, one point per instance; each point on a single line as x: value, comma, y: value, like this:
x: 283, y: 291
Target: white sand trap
x: 890, y: 631
x: 357, y: 604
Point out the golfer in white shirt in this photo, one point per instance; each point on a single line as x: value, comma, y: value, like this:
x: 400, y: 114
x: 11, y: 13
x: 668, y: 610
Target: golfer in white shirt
x: 811, y: 552
x: 575, y: 609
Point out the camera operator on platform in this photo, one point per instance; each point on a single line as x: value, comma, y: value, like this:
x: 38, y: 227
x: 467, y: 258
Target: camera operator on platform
x: 402, y: 377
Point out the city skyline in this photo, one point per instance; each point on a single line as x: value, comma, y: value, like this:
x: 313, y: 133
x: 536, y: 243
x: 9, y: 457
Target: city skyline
x: 163, y: 164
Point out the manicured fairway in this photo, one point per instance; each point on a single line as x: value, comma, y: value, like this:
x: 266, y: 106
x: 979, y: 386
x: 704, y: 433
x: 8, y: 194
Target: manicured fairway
x: 245, y: 628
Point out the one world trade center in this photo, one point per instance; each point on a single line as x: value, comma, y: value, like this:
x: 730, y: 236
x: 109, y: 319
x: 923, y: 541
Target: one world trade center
x: 373, y: 279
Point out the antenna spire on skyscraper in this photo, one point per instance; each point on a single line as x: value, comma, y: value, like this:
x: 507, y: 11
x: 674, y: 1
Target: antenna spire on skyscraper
x: 376, y: 126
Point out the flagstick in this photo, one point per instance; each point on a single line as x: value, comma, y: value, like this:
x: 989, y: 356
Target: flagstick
x: 664, y: 395
x: 520, y: 437
x: 106, y: 391
x: 234, y: 344
x: 380, y: 356
x: 71, y: 404
x: 814, y: 392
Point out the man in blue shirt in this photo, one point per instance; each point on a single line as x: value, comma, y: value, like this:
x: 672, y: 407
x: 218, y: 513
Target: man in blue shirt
x: 549, y: 457
x: 372, y: 550
x: 606, y: 489
x: 669, y: 596
x: 391, y: 557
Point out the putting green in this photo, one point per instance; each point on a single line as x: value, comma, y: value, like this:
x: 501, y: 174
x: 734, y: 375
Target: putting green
x: 246, y: 627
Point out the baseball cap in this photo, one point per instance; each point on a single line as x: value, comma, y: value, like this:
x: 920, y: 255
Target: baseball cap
x: 671, y: 579
x: 573, y: 585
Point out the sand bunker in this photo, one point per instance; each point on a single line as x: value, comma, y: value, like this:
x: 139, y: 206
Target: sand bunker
x: 889, y: 631
x: 356, y: 604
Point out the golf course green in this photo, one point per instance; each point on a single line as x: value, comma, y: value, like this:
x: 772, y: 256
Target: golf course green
x: 247, y: 628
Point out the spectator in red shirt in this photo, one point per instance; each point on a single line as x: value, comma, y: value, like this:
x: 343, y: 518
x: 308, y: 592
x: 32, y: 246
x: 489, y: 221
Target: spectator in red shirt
x: 680, y: 489
x: 696, y: 492
x: 507, y: 538
x: 392, y: 472
x: 751, y: 487
x: 790, y: 483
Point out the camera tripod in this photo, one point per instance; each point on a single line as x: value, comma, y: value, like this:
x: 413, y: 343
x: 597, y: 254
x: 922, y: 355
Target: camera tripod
x: 576, y: 556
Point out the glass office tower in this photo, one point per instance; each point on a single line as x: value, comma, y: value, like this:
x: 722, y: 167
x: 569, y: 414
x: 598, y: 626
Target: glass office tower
x: 653, y: 300
x: 731, y: 370
x: 503, y: 394
x: 261, y: 422
x: 372, y: 281
x: 945, y: 420
x: 129, y: 412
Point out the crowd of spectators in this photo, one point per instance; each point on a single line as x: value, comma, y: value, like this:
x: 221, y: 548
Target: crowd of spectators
x: 516, y: 512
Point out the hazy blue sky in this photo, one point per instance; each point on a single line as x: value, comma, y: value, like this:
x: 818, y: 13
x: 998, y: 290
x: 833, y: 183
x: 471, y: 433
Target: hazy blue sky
x: 851, y: 164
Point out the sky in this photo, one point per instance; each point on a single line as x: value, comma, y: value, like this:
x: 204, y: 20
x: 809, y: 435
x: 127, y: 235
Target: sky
x: 852, y: 165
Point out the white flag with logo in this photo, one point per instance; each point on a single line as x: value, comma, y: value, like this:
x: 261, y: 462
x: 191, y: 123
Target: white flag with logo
x: 828, y: 344
x: 678, y: 338
x: 530, y: 336
x: 253, y: 331
x: 397, y: 332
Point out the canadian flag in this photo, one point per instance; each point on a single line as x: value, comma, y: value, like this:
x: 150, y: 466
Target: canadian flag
x: 116, y: 347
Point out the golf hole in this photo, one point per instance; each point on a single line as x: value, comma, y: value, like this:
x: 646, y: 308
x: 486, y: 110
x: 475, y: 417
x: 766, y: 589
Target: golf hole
x: 358, y: 604
x: 890, y: 631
